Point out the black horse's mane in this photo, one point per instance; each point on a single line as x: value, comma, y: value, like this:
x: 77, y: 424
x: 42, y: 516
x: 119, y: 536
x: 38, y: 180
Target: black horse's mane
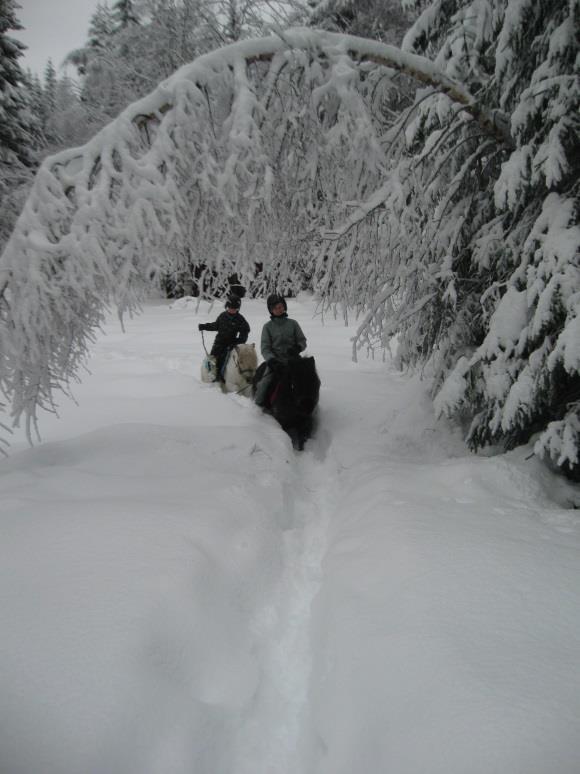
x: 298, y: 389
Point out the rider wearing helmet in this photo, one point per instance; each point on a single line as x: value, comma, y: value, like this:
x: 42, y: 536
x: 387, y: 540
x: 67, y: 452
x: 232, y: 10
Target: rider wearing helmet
x: 282, y: 338
x: 232, y: 328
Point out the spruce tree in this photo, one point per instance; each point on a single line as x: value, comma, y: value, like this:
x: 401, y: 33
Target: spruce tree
x: 49, y: 103
x: 36, y: 96
x: 101, y: 27
x: 20, y: 127
x: 50, y: 81
x: 454, y: 224
x: 125, y: 13
x: 18, y: 130
x: 384, y: 20
x: 502, y: 322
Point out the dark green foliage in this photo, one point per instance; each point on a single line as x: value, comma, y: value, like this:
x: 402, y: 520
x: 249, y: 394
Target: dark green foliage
x: 18, y: 128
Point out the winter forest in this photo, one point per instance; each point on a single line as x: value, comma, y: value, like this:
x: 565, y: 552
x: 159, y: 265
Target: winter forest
x: 414, y: 164
x: 184, y: 590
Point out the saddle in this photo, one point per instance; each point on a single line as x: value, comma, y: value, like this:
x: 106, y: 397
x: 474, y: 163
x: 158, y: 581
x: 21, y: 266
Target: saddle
x: 274, y: 387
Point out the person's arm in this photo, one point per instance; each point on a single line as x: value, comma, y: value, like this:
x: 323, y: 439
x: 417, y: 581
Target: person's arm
x: 299, y: 337
x: 244, y: 331
x: 266, y: 343
x: 214, y: 326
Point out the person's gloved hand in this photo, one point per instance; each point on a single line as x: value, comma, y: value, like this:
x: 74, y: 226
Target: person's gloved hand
x: 273, y: 363
x: 201, y: 327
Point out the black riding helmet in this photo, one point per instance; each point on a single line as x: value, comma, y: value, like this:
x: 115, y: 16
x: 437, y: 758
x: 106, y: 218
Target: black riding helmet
x: 275, y: 299
x: 233, y: 302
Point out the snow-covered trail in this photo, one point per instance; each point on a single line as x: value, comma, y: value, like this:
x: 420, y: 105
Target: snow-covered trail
x: 183, y: 592
x: 275, y: 732
x: 445, y: 631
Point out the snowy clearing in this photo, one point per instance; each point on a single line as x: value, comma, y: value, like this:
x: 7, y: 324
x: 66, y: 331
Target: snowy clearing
x: 181, y: 591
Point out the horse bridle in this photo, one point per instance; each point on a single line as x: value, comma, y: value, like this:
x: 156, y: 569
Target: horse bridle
x: 243, y: 371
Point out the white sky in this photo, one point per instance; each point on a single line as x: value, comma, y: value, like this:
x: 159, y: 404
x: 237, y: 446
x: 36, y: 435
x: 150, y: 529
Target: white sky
x: 52, y: 29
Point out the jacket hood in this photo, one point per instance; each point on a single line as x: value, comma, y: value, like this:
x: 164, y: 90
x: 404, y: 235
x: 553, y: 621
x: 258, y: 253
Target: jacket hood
x: 274, y: 299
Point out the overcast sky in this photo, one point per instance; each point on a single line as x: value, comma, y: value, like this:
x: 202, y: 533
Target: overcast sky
x: 52, y: 29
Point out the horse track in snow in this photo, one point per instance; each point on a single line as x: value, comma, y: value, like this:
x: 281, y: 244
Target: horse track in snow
x: 274, y: 736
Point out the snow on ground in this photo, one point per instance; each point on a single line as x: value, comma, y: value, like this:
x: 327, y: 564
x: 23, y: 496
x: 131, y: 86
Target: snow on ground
x: 181, y: 591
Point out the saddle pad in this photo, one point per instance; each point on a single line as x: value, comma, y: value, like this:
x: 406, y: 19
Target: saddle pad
x: 209, y: 366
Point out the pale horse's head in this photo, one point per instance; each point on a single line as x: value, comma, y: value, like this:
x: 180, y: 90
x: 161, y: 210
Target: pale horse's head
x: 247, y: 357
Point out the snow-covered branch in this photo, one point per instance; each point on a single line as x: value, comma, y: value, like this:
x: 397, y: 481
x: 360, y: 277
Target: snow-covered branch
x: 102, y: 219
x: 257, y: 153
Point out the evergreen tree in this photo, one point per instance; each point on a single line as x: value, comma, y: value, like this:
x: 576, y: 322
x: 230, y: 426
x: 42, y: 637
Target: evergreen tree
x: 453, y: 224
x: 36, y: 96
x: 125, y: 13
x: 101, y: 27
x: 259, y: 133
x: 68, y: 124
x: 49, y: 103
x: 502, y: 273
x: 50, y: 81
x: 18, y: 130
x: 126, y: 56
x: 102, y: 89
x: 384, y: 20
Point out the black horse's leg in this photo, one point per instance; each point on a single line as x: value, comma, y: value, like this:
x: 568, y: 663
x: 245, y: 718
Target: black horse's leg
x: 293, y: 433
x: 305, y: 430
x: 299, y: 434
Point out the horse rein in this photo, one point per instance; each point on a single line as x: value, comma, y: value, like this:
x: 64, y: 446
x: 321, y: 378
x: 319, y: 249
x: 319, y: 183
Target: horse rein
x: 203, y: 342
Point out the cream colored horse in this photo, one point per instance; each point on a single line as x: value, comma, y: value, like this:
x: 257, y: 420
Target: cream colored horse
x: 240, y: 369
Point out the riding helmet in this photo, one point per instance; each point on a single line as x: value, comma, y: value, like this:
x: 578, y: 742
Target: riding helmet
x: 233, y: 302
x: 275, y: 299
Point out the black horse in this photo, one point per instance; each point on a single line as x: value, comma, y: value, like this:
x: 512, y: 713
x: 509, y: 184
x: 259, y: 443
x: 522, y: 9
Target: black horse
x: 293, y: 397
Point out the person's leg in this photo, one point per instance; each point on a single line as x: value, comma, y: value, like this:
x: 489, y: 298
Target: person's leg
x: 263, y: 388
x: 220, y: 354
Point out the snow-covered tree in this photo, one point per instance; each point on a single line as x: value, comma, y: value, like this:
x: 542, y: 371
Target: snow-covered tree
x: 131, y: 47
x: 125, y: 13
x: 50, y: 84
x: 468, y: 222
x: 504, y: 314
x: 385, y: 20
x: 18, y: 129
x: 48, y: 106
x: 101, y: 27
x: 36, y: 95
x: 255, y: 131
x: 69, y: 125
x: 248, y: 156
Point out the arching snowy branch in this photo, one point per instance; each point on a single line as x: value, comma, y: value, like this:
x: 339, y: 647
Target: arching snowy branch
x: 102, y: 219
x: 259, y: 152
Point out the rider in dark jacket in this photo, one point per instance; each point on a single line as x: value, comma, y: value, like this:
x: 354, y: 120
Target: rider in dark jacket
x: 232, y: 328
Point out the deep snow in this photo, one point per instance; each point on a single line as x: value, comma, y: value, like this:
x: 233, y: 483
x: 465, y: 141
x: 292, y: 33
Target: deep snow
x: 181, y: 592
